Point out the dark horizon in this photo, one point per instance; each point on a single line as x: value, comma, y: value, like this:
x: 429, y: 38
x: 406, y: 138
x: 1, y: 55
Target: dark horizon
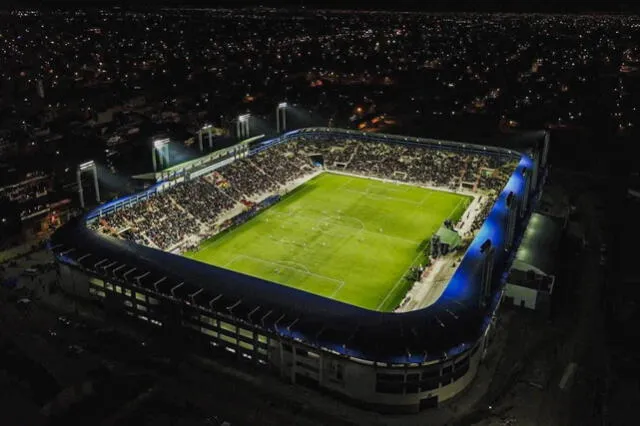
x: 437, y: 6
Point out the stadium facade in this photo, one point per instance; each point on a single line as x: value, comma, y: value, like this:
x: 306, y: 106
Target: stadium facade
x: 394, y: 362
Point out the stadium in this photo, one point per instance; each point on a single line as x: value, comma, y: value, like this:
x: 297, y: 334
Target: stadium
x: 366, y: 265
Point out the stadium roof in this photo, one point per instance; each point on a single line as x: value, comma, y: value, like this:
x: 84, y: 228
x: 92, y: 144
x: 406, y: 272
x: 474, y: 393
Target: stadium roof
x: 543, y: 283
x: 451, y: 325
x: 196, y: 162
x: 449, y: 237
x: 539, y: 245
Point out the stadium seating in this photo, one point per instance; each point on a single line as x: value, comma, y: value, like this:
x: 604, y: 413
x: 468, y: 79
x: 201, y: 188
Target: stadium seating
x: 193, y: 208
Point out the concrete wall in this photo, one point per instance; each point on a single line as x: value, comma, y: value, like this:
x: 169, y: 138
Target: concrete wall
x: 354, y: 379
x: 357, y: 379
x: 73, y: 281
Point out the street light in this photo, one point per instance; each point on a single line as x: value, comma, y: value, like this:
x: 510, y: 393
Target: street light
x: 160, y: 145
x: 89, y: 165
x: 242, y: 126
x: 281, y: 117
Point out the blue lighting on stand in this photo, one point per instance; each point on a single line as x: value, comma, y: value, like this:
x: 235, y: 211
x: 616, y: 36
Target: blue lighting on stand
x: 107, y: 208
x: 464, y: 286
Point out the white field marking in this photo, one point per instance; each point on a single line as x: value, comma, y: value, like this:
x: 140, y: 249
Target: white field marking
x: 413, y: 262
x: 455, y: 208
x: 371, y: 195
x: 426, y: 197
x: 339, y: 283
x: 363, y: 229
x: 340, y: 223
x: 321, y: 220
x: 339, y: 218
x: 337, y: 290
x: 398, y: 282
x: 346, y: 182
x: 397, y: 187
x: 300, y: 265
x: 414, y: 184
x: 316, y: 228
x: 303, y: 268
x: 288, y: 243
x: 229, y: 263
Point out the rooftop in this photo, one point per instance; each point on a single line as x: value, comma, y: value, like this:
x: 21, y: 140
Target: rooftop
x: 539, y: 245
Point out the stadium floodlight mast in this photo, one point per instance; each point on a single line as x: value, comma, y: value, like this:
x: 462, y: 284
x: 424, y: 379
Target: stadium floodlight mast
x: 89, y: 165
x: 209, y: 129
x: 161, y: 149
x: 281, y: 117
x: 242, y: 126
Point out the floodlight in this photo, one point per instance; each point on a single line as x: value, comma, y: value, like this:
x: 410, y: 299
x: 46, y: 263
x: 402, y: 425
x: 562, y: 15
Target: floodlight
x: 86, y: 166
x: 159, y: 143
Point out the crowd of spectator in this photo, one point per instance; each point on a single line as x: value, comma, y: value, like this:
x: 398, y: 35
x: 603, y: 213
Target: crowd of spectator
x: 485, y: 207
x: 202, y: 199
x: 157, y: 219
x: 176, y: 223
x: 193, y: 208
x: 247, y: 180
x: 410, y: 163
x: 280, y: 164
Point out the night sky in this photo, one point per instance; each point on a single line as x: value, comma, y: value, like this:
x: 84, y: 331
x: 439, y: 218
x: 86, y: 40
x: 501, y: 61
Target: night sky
x: 569, y: 6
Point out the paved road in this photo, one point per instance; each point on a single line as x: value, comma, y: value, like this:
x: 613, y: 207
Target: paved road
x: 584, y: 343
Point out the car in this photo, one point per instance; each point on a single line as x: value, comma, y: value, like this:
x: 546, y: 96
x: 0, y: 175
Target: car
x: 64, y: 320
x: 75, y: 350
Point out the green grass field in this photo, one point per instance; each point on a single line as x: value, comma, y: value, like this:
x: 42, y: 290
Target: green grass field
x: 347, y: 238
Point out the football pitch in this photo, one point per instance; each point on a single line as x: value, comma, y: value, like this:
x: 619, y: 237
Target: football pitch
x: 348, y: 238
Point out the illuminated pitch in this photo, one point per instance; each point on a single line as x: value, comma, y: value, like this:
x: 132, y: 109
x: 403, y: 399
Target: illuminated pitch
x: 347, y: 238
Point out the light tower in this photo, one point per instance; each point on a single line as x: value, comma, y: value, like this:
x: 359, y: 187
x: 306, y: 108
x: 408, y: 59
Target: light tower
x: 545, y: 149
x: 89, y: 165
x: 209, y: 129
x: 242, y: 126
x: 41, y: 89
x: 161, y: 149
x: 281, y: 117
